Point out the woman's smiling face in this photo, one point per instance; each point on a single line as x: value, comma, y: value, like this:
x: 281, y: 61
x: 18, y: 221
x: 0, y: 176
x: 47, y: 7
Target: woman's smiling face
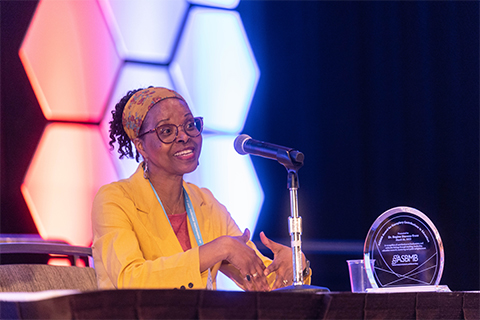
x: 177, y: 158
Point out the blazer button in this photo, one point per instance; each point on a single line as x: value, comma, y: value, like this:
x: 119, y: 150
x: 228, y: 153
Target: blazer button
x: 182, y: 287
x: 190, y: 285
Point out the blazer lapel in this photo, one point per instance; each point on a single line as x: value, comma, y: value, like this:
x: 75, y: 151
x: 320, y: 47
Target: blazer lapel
x: 152, y: 215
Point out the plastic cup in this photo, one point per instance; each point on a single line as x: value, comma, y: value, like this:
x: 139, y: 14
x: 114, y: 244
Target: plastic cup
x: 358, y: 276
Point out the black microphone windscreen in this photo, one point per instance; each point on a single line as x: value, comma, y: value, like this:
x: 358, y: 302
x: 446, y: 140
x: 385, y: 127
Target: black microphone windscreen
x: 239, y: 143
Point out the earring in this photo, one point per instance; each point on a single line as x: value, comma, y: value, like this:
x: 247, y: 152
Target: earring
x: 145, y: 169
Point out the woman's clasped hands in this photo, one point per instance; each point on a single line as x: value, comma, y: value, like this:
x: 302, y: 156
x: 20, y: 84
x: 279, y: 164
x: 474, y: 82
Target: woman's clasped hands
x: 252, y: 268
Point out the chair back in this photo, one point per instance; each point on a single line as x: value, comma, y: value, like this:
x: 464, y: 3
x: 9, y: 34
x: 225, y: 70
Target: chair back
x: 27, y: 277
x: 40, y: 277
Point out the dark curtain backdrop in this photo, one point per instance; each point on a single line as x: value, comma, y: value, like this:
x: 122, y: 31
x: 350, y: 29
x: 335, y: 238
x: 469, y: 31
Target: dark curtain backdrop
x: 382, y: 97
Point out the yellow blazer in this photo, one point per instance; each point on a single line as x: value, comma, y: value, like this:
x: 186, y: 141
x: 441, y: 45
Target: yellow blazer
x: 134, y: 245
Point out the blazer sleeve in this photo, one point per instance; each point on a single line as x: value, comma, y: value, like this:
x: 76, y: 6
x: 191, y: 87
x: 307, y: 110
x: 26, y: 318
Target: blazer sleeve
x: 120, y: 255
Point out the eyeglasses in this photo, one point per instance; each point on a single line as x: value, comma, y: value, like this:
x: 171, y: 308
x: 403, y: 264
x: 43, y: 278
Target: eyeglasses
x: 167, y: 133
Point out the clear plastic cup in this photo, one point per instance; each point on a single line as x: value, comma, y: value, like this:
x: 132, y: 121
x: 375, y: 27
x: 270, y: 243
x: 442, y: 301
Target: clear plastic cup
x: 358, y: 275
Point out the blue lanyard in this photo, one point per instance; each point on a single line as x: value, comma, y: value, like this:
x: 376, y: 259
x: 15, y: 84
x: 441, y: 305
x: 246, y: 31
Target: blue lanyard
x: 193, y: 223
x: 190, y: 213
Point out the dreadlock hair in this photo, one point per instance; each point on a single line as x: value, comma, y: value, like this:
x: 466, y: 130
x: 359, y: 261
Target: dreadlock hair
x: 117, y: 132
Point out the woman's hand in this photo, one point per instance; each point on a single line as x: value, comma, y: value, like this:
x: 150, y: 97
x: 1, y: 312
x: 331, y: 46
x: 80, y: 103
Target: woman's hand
x: 236, y: 252
x: 244, y: 258
x: 282, y: 262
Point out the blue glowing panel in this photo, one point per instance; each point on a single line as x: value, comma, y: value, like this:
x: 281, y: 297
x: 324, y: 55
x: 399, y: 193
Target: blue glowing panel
x: 229, y: 4
x: 231, y: 178
x: 145, y: 30
x: 214, y: 68
x: 132, y: 76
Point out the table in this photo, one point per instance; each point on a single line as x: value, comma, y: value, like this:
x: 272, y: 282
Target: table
x: 204, y: 304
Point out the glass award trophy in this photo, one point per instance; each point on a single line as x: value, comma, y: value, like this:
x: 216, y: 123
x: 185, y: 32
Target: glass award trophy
x: 407, y: 252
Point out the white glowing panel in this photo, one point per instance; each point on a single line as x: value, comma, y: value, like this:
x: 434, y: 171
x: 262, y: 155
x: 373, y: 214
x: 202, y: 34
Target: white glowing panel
x: 229, y: 4
x: 145, y: 30
x: 214, y: 68
x: 231, y: 178
x: 132, y: 76
x: 69, y: 166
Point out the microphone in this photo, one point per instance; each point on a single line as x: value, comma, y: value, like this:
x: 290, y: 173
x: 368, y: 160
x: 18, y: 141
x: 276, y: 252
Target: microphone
x: 244, y: 144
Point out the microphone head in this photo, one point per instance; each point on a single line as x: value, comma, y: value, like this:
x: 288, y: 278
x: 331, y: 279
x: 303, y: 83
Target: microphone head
x: 239, y: 143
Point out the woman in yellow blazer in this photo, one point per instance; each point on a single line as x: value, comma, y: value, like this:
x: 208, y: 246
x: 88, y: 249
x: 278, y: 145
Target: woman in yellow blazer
x: 154, y: 230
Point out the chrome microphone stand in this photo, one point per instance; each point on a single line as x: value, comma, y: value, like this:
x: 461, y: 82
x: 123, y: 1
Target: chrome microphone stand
x: 293, y: 161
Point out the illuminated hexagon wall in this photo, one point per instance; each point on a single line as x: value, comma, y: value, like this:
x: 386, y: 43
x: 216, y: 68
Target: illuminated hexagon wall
x: 82, y: 56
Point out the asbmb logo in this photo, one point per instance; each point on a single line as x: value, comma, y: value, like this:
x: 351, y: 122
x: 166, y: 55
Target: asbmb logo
x: 404, y: 259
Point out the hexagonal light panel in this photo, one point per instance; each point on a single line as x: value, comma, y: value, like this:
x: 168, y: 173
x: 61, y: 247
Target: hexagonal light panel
x: 132, y: 76
x: 70, y: 59
x: 145, y: 30
x: 68, y: 168
x: 214, y: 68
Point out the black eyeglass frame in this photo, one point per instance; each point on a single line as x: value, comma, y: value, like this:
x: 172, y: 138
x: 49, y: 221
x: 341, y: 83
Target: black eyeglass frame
x: 195, y: 119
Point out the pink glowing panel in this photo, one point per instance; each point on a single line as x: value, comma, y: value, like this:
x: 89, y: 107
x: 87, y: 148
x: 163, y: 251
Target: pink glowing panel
x: 214, y: 68
x: 59, y: 262
x: 70, y: 59
x: 64, y: 261
x: 145, y: 30
x: 132, y: 76
x: 69, y: 166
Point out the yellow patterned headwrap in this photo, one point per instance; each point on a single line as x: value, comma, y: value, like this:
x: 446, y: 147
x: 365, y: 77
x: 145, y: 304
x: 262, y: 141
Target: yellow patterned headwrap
x: 139, y: 104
